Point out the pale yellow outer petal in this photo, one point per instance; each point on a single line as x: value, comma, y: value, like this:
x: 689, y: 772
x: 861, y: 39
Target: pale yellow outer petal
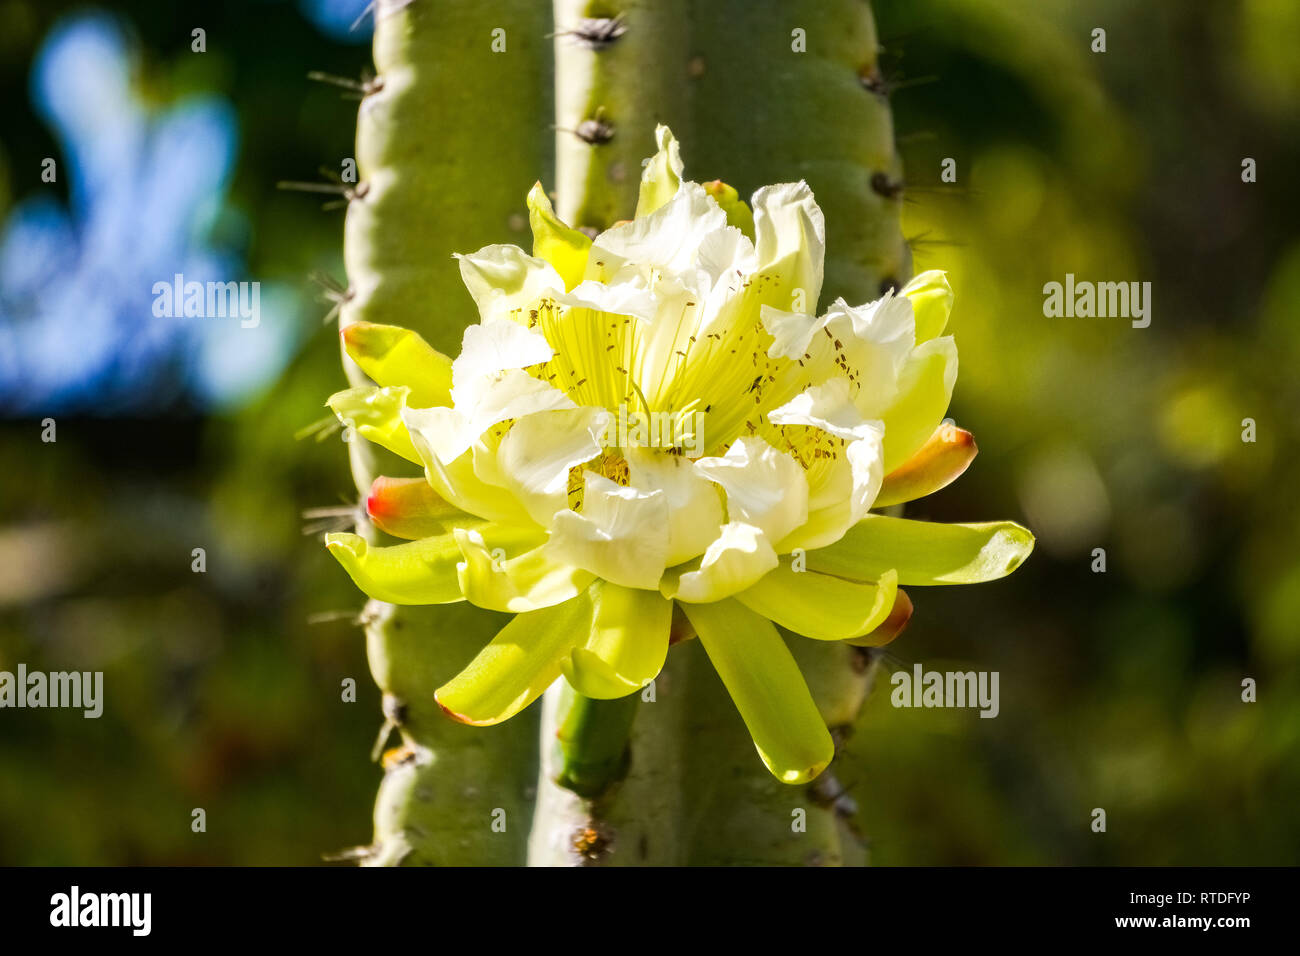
x: 526, y: 582
x: 627, y: 645
x: 790, y: 240
x: 924, y: 392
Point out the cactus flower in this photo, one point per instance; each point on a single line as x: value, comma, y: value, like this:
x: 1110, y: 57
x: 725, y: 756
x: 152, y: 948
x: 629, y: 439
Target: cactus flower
x: 658, y: 417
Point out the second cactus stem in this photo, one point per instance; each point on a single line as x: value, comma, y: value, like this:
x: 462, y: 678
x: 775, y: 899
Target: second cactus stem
x: 435, y: 180
x: 607, y: 790
x: 759, y: 92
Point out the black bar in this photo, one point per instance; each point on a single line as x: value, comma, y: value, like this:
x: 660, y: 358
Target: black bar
x: 327, y: 906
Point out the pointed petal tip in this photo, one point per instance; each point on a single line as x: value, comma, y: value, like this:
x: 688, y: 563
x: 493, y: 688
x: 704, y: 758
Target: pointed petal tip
x: 409, y: 508
x: 459, y: 718
x: 939, y: 462
x: 1022, y: 540
x: 592, y: 677
x: 345, y: 541
x: 378, y: 502
x: 951, y: 433
x: 891, y: 627
x: 367, y: 338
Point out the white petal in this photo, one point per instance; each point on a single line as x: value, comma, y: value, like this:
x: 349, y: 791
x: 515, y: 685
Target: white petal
x: 829, y: 407
x: 875, y: 340
x: 621, y: 534
x: 764, y: 487
x: 513, y: 394
x: 535, y: 457
x: 617, y: 298
x: 791, y: 242
x: 840, y: 496
x: 441, y: 433
x: 840, y: 491
x: 792, y: 332
x: 866, y: 459
x: 668, y: 238
x: 504, y: 281
x: 449, y: 432
x: 726, y: 251
x: 694, y: 508
x: 736, y: 561
x: 495, y: 347
x: 459, y: 481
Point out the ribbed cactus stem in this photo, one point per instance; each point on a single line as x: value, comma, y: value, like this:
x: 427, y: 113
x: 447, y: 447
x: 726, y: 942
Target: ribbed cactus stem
x: 765, y: 112
x: 634, y: 819
x: 760, y: 112
x: 454, y: 131
x: 451, y: 795
x: 607, y: 788
x: 740, y: 813
x: 620, y: 68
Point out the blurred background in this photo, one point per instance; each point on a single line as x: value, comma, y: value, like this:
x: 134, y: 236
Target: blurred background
x: 1120, y: 690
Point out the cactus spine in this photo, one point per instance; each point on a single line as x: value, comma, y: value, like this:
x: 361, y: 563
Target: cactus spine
x: 446, y: 163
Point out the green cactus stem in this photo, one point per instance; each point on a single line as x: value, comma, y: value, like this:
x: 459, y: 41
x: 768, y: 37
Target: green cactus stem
x: 759, y: 112
x: 616, y: 76
x: 740, y: 817
x: 765, y: 112
x: 592, y: 740
x: 606, y: 788
x: 620, y: 69
x: 634, y: 818
x: 451, y: 795
x: 688, y: 795
x: 454, y: 131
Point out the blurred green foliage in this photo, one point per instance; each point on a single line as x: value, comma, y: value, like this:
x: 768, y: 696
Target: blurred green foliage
x: 1119, y: 690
